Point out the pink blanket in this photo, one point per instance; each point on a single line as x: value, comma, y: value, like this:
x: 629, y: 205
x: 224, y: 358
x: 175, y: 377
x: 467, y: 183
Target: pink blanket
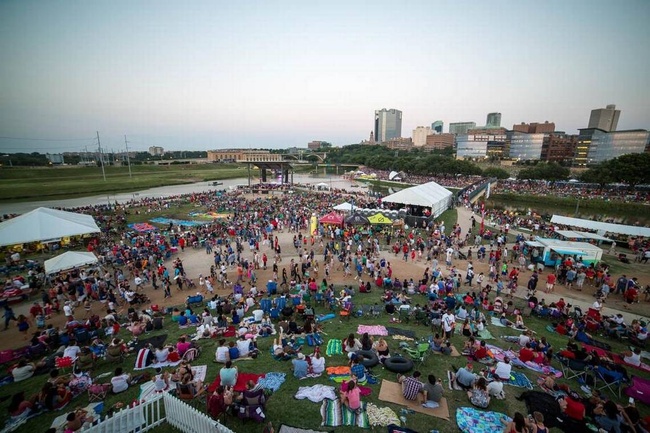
x: 372, y: 330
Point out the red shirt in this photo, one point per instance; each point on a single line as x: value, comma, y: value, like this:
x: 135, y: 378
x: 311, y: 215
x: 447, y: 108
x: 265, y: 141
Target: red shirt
x: 526, y: 355
x: 480, y: 353
x: 574, y: 409
x: 550, y: 279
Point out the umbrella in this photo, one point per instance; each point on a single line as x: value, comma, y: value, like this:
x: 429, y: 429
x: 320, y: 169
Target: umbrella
x: 356, y: 220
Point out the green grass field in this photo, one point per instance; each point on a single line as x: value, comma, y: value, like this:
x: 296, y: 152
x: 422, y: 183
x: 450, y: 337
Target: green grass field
x: 66, y: 182
x: 283, y: 408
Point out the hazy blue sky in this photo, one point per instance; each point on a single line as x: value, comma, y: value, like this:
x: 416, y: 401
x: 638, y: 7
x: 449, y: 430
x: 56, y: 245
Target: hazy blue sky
x: 216, y: 74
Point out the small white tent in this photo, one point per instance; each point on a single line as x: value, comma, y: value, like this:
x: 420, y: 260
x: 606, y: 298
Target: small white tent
x: 345, y: 206
x: 43, y: 223
x: 69, y: 260
x: 428, y: 194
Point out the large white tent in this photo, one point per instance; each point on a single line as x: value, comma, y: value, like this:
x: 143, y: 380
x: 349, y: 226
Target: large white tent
x: 601, y: 227
x: 69, y: 260
x: 44, y: 224
x: 430, y: 195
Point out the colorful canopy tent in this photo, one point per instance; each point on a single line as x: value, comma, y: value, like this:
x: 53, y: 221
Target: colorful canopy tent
x: 331, y: 218
x: 429, y: 195
x: 43, y: 224
x: 356, y: 220
x: 601, y: 227
x: 69, y: 260
x: 379, y: 218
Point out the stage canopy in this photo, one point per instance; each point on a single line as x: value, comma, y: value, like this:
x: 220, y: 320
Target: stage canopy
x: 331, y: 218
x: 356, y: 220
x: 69, y: 260
x: 601, y: 227
x: 429, y: 195
x: 44, y: 224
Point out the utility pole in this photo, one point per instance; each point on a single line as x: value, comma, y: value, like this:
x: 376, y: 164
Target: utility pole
x: 128, y: 160
x: 101, y: 156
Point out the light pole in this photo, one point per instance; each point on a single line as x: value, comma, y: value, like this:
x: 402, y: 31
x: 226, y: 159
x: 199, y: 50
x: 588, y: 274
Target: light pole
x: 8, y: 156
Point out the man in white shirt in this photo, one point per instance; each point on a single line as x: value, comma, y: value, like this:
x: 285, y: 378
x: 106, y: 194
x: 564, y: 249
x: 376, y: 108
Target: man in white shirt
x: 67, y: 309
x: 243, y: 344
x: 72, y: 350
x: 448, y: 324
x: 495, y: 389
x: 120, y: 381
x: 503, y: 369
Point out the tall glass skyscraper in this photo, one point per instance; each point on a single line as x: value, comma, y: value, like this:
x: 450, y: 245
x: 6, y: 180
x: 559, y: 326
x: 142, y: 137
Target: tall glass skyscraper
x: 388, y: 124
x: 493, y: 120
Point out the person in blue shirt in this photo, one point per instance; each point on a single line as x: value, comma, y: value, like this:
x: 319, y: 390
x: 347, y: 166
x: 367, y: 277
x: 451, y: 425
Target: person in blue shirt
x: 300, y: 366
x: 357, y: 369
x: 182, y: 319
x: 233, y: 351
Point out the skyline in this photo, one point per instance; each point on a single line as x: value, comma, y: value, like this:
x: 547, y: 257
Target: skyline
x: 279, y: 74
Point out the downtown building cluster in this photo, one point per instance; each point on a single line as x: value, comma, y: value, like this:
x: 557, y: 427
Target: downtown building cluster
x: 598, y: 142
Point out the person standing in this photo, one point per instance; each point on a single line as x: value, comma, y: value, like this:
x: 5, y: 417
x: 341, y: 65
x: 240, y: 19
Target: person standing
x: 448, y: 324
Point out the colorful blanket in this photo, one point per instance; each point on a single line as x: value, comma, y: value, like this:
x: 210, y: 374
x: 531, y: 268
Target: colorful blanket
x: 618, y: 359
x: 372, y: 330
x: 517, y: 379
x: 485, y: 334
x: 334, y: 415
x: 383, y: 416
x: 289, y: 429
x: 403, y: 332
x: 498, y: 354
x: 316, y: 393
x: 272, y: 380
x: 471, y: 420
x: 334, y: 347
x: 242, y: 379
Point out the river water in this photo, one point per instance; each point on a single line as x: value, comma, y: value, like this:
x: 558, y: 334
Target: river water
x: 332, y: 181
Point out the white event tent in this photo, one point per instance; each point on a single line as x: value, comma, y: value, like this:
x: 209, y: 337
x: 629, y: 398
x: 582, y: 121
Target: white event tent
x: 601, y: 227
x: 430, y: 195
x: 345, y: 206
x: 43, y: 224
x: 69, y: 260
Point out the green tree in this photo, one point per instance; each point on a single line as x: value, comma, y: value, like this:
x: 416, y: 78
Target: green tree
x: 497, y: 172
x: 631, y: 169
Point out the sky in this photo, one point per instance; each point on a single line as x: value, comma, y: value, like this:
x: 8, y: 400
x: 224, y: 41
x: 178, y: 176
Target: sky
x: 218, y: 74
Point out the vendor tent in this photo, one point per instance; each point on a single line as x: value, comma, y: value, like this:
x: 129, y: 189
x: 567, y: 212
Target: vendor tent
x: 69, y: 260
x: 601, y: 227
x: 345, y: 206
x: 429, y: 195
x: 379, y: 218
x: 42, y: 224
x: 331, y: 218
x: 356, y: 220
x: 322, y: 185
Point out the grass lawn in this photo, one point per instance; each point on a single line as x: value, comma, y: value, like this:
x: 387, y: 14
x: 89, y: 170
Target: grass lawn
x: 283, y: 408
x: 65, y: 182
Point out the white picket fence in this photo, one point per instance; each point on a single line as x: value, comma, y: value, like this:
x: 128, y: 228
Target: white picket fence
x: 154, y: 411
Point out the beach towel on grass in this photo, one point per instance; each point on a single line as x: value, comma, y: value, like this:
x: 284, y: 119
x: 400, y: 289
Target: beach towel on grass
x: 316, y: 393
x: 334, y: 415
x: 485, y: 334
x: 517, y: 379
x: 403, y: 332
x: 272, y: 381
x: 497, y: 322
x: 240, y: 386
x: 471, y: 420
x: 383, y: 416
x: 372, y: 330
x: 499, y: 354
x: 334, y: 347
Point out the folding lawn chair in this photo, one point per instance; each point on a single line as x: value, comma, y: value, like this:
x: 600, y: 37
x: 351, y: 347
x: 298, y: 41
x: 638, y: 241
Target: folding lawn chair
x: 573, y: 368
x: 420, y: 353
x: 611, y: 380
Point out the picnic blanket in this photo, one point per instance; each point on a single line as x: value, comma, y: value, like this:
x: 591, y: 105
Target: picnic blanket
x: 471, y: 420
x: 392, y: 393
x: 497, y: 322
x: 148, y: 388
x: 517, y: 379
x: 242, y: 379
x: 639, y: 390
x: 618, y: 359
x: 334, y: 347
x: 485, y: 334
x: 454, y: 351
x: 499, y: 354
x: 94, y: 410
x: 289, y: 429
x: 383, y: 416
x: 272, y: 380
x: 372, y: 330
x: 316, y: 393
x: 334, y: 415
x: 403, y: 332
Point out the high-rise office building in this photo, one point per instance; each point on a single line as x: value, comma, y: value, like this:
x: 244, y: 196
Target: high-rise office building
x: 493, y: 120
x: 420, y: 135
x: 437, y: 126
x: 604, y: 118
x: 460, y: 128
x: 535, y: 128
x: 388, y: 124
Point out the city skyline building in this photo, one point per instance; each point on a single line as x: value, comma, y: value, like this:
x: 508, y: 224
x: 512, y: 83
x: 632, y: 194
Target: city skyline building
x: 534, y: 127
x: 420, y: 134
x: 525, y: 146
x: 605, y: 119
x: 493, y: 120
x: 438, y: 126
x: 609, y: 145
x: 388, y: 124
x: 460, y: 128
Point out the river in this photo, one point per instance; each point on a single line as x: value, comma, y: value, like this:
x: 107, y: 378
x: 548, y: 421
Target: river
x: 333, y: 181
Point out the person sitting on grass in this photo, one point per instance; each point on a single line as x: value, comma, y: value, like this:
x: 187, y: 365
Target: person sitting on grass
x: 351, y: 397
x: 412, y: 388
x: 300, y: 366
x: 317, y: 362
x: 78, y: 419
x: 479, y: 396
x: 19, y: 405
x: 222, y: 354
x: 465, y: 377
x: 357, y: 369
x: 432, y: 392
x: 228, y: 374
x: 282, y: 349
x: 381, y: 347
